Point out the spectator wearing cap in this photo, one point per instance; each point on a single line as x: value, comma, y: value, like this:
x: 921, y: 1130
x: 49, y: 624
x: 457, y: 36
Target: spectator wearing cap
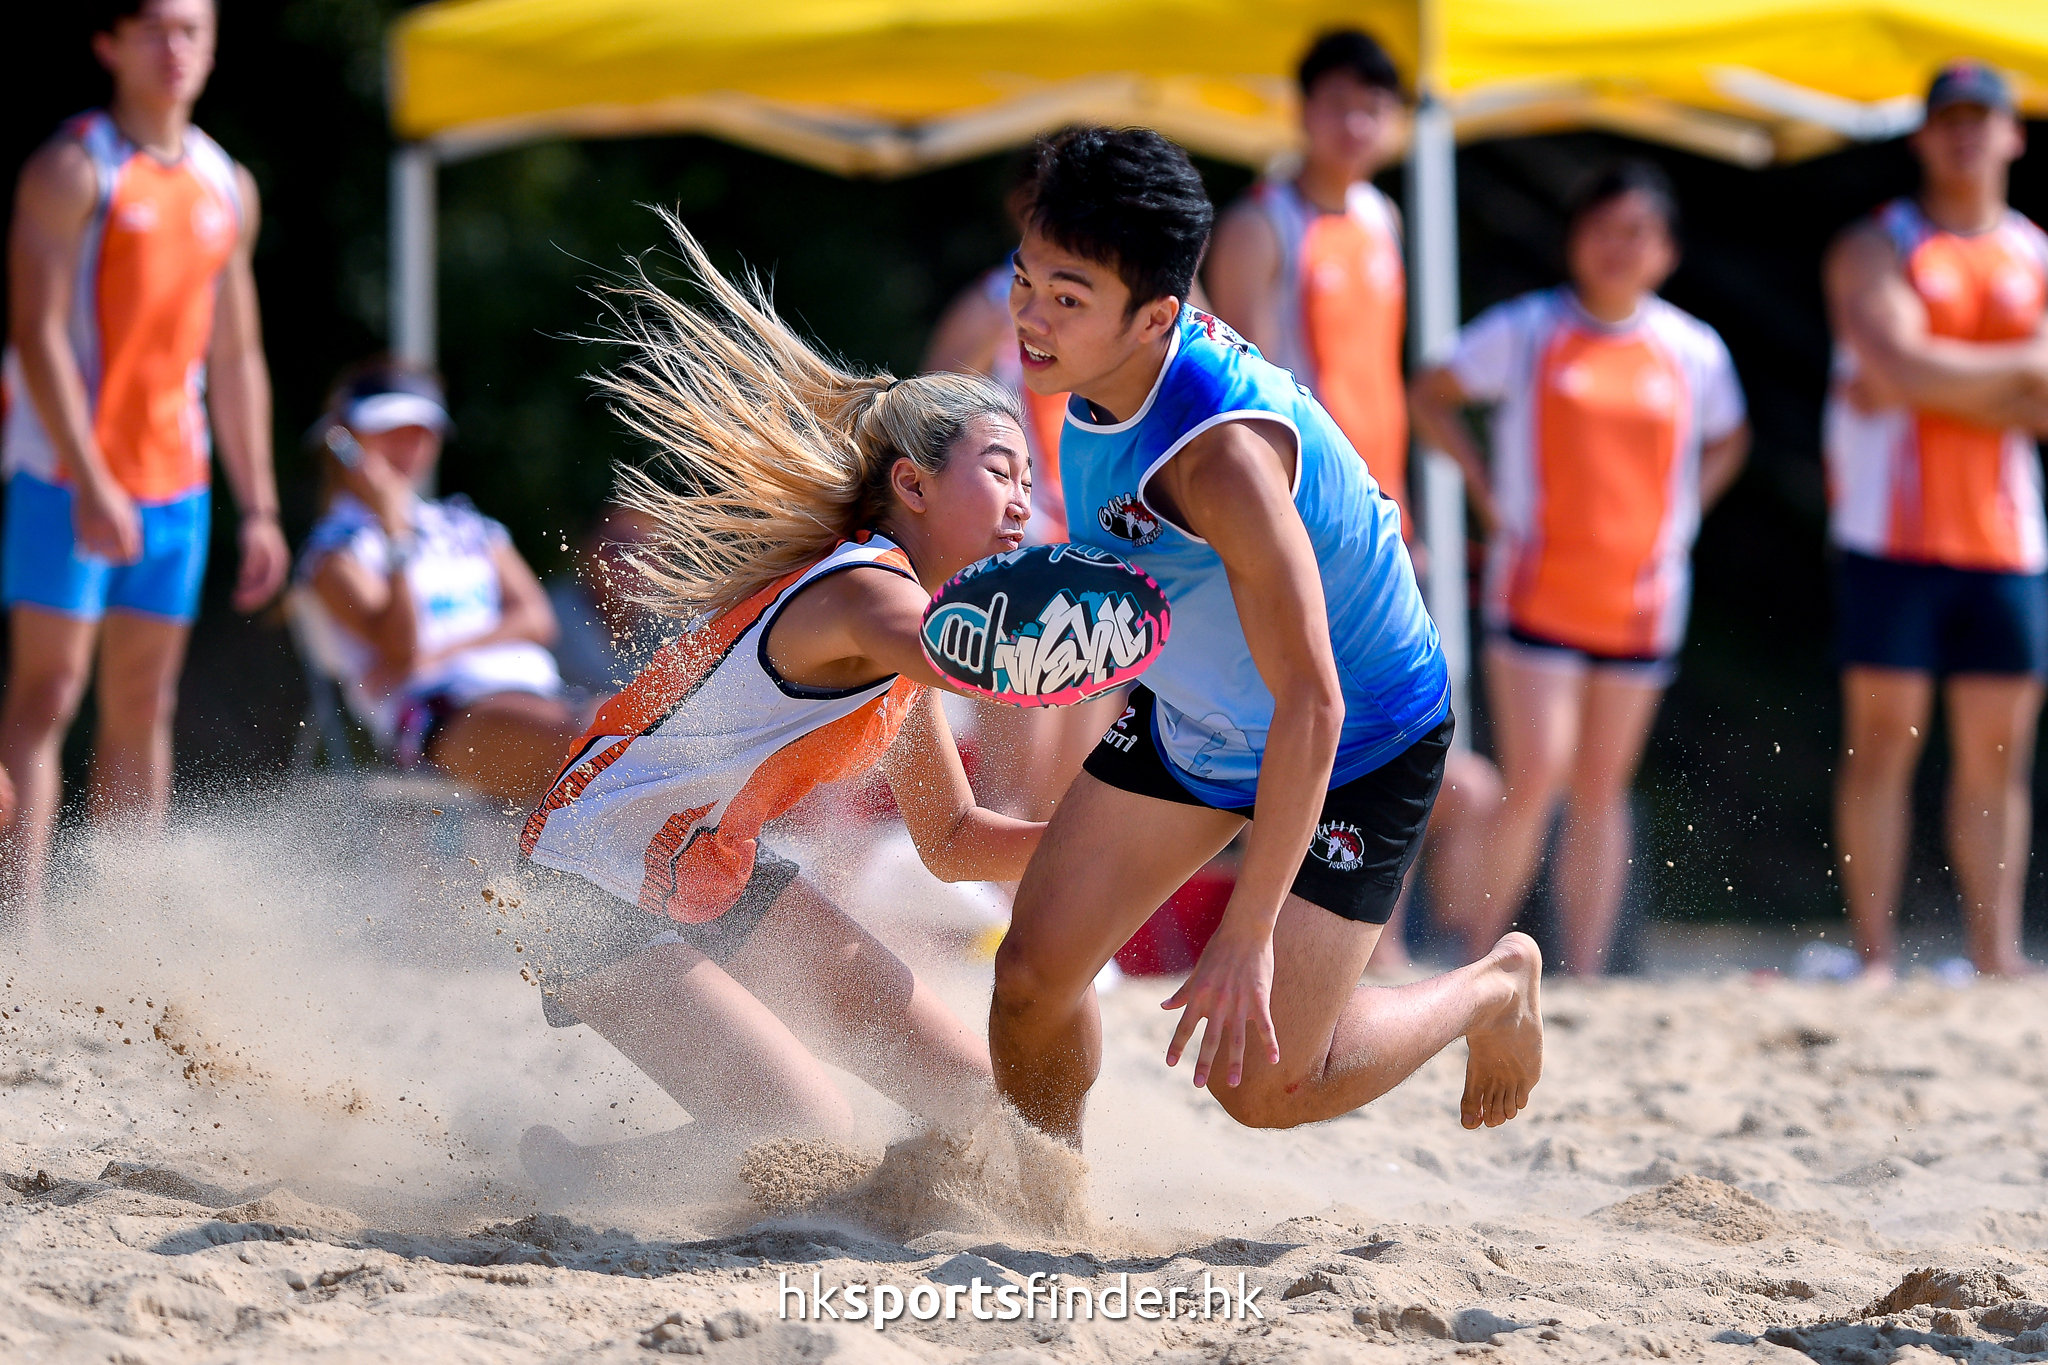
x: 1940, y: 391
x: 441, y: 628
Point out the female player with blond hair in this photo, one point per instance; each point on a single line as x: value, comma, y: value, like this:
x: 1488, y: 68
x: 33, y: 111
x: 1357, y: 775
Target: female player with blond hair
x: 805, y: 515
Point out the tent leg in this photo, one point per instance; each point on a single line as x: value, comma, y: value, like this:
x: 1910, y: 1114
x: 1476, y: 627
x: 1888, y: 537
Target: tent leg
x: 1433, y: 230
x: 413, y: 321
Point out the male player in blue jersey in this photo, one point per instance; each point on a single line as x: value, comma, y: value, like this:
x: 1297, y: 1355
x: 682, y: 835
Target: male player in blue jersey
x: 1303, y: 680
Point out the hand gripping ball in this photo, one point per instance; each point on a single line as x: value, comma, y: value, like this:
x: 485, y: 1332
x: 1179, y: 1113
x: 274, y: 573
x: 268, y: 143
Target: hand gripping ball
x: 1046, y: 625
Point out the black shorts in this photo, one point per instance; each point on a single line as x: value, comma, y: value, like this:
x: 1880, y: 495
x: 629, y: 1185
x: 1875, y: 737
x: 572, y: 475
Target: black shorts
x: 1651, y: 670
x: 1934, y: 619
x: 1371, y: 827
x: 569, y: 928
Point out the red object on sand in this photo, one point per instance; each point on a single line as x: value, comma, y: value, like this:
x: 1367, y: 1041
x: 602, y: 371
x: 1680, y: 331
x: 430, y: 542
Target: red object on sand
x: 1172, y: 940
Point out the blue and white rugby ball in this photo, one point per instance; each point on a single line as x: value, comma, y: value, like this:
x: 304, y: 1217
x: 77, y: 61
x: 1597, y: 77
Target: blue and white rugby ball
x: 1046, y: 625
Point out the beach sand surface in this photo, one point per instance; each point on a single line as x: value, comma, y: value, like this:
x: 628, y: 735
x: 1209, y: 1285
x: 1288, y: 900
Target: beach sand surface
x: 259, y: 1102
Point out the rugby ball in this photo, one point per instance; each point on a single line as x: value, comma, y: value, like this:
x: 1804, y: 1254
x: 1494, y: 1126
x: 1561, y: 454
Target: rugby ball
x: 1045, y: 625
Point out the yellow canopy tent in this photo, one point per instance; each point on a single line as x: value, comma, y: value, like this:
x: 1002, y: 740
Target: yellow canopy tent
x: 890, y: 86
x: 887, y: 87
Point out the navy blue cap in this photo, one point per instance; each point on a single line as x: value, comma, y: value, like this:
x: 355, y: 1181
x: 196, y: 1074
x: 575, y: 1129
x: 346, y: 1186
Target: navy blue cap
x: 1969, y: 82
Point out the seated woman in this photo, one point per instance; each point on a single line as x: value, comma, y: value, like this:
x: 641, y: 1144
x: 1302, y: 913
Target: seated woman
x: 440, y: 629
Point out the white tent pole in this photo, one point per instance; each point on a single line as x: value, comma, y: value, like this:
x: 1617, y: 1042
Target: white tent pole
x: 1433, y: 232
x: 413, y: 320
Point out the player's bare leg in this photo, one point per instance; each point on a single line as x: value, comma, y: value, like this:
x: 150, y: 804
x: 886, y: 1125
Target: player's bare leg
x: 857, y: 1006
x: 1536, y: 716
x: 49, y: 660
x: 1343, y: 1045
x: 1884, y: 722
x: 1453, y: 853
x: 1990, y: 809
x: 1108, y: 860
x: 136, y: 690
x: 1616, y: 712
x: 718, y: 1051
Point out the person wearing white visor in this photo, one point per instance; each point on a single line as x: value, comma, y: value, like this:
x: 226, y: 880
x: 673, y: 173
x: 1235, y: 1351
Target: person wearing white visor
x: 439, y: 628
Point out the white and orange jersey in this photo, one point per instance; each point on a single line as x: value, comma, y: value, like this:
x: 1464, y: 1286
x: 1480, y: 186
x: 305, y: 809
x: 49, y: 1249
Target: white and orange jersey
x: 1045, y: 414
x: 1596, y: 455
x: 141, y: 312
x: 1923, y: 486
x: 1344, y: 316
x: 664, y: 797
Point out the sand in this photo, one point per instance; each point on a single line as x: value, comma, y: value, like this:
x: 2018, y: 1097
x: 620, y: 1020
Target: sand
x: 258, y: 1104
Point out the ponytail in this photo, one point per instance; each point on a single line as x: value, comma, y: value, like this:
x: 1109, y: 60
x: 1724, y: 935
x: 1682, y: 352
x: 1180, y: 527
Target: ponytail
x: 766, y: 454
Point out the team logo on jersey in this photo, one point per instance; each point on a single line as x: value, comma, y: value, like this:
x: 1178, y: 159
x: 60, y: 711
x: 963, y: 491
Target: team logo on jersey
x: 1216, y: 329
x: 1127, y: 518
x: 1338, y: 845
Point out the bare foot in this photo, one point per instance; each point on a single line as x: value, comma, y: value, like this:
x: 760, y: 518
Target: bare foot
x: 1876, y: 976
x: 1506, y: 1050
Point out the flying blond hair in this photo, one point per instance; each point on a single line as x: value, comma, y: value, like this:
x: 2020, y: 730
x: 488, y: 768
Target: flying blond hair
x: 766, y: 453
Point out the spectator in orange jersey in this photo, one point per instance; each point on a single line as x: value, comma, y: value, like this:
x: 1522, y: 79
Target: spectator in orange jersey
x: 133, y: 328
x: 1308, y: 269
x: 1934, y: 481
x: 1617, y: 422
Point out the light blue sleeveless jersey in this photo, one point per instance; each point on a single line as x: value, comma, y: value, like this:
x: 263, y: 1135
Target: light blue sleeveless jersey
x: 1214, y: 710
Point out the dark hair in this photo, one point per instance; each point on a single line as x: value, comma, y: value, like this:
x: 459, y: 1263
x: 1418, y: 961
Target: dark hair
x: 1634, y: 176
x: 1348, y: 49
x: 108, y: 15
x: 1126, y: 197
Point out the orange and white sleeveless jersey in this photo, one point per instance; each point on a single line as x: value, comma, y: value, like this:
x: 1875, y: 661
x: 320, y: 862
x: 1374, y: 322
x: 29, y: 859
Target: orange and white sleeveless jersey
x: 1923, y: 486
x: 1596, y: 447
x: 665, y: 795
x: 141, y: 312
x: 1343, y: 317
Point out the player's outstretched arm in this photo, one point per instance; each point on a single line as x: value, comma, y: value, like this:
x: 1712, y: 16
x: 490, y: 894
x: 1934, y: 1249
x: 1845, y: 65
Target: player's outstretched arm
x: 1873, y: 309
x: 855, y: 628
x: 1231, y: 487
x: 957, y: 840
x: 849, y: 629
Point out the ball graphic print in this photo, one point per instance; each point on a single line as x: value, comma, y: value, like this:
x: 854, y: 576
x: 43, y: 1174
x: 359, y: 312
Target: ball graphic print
x: 1046, y: 625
